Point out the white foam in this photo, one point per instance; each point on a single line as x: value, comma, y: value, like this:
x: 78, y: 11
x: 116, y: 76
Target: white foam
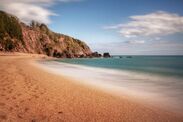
x: 153, y: 89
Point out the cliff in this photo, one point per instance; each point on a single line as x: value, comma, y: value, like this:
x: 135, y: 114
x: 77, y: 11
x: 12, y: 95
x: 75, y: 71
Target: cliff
x: 16, y: 36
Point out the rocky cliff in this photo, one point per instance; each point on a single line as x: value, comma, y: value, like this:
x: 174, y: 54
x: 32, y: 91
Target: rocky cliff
x: 37, y: 38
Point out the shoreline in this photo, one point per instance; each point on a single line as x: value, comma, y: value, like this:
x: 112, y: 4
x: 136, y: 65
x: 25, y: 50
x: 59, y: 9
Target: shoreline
x: 135, y: 85
x: 30, y: 93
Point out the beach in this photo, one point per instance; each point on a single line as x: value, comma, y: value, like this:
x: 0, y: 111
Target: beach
x: 31, y: 94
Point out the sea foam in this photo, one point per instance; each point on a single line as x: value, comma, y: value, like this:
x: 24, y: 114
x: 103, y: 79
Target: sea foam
x: 161, y: 91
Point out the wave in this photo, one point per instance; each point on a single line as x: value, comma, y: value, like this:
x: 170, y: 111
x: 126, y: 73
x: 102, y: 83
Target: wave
x: 154, y: 89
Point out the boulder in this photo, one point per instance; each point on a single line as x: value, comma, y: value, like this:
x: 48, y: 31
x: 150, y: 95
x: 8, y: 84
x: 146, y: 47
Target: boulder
x: 106, y: 55
x: 95, y: 54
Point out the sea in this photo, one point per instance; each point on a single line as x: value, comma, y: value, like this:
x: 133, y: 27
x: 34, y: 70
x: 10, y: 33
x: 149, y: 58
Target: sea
x: 157, y: 80
x: 161, y: 65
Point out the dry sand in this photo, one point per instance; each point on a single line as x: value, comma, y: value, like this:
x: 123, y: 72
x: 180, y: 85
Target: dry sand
x: 29, y: 94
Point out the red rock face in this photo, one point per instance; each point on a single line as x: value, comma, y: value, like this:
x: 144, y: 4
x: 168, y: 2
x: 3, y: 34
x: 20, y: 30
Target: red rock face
x: 37, y: 38
x: 36, y: 42
x: 30, y: 38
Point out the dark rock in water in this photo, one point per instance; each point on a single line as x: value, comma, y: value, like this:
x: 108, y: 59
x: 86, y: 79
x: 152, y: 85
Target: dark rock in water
x: 96, y: 54
x: 106, y: 55
x: 100, y: 55
x: 81, y: 56
x: 120, y: 56
x: 128, y: 56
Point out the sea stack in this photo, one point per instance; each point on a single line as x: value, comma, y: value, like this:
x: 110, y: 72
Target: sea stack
x: 106, y: 55
x: 96, y: 54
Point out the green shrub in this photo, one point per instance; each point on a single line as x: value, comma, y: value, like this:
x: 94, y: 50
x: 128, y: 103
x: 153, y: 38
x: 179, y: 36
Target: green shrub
x: 9, y: 45
x: 11, y: 26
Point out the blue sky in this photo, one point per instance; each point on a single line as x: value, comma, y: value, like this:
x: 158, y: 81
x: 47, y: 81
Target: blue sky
x: 131, y: 27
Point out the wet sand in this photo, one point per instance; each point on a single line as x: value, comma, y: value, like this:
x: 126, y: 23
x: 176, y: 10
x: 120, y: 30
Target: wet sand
x: 30, y: 94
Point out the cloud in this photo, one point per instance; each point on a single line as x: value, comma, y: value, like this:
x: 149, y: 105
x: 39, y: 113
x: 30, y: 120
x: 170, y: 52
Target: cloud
x: 163, y: 47
x: 27, y: 10
x: 135, y: 41
x: 154, y: 24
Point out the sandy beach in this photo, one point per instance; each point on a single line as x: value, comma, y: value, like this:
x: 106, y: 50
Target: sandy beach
x: 30, y: 94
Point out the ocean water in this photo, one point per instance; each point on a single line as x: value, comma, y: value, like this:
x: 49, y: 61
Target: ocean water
x: 161, y: 65
x: 157, y: 80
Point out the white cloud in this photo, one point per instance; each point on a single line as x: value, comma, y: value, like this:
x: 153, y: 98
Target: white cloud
x: 163, y: 47
x: 153, y: 24
x: 27, y: 10
x: 135, y: 41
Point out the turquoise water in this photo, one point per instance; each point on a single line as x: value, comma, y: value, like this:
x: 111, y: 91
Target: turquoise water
x: 144, y: 77
x: 162, y: 65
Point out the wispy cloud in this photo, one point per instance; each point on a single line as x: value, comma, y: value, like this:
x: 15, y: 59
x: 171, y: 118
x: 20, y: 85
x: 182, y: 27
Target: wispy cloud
x: 153, y: 24
x: 27, y: 10
x: 135, y: 41
x: 163, y: 47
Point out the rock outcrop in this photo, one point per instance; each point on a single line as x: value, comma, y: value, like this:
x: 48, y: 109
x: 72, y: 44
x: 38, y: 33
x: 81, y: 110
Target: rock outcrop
x: 96, y: 54
x: 16, y: 36
x: 106, y: 55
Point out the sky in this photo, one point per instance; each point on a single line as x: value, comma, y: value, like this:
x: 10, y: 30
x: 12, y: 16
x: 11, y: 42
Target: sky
x: 121, y: 27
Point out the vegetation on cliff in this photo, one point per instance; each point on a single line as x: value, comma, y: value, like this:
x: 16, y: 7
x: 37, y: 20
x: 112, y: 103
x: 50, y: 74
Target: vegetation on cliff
x: 37, y: 38
x: 10, y: 30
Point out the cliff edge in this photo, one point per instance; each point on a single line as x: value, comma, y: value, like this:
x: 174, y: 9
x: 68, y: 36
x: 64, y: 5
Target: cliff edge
x: 15, y: 36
